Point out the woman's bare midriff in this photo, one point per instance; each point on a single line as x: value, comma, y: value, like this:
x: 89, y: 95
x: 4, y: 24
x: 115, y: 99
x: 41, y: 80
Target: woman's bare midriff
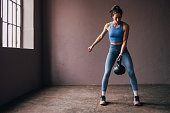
x: 117, y: 43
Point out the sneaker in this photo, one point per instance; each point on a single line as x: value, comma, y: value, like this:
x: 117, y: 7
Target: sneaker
x: 137, y: 101
x: 103, y: 100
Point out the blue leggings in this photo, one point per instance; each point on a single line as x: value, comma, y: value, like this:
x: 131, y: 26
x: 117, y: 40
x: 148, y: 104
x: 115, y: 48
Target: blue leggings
x: 127, y: 62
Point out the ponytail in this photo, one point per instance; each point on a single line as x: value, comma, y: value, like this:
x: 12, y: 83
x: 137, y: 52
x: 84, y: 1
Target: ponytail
x: 115, y: 9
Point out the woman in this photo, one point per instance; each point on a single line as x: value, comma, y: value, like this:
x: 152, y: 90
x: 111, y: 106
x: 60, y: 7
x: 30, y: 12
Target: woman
x: 118, y: 35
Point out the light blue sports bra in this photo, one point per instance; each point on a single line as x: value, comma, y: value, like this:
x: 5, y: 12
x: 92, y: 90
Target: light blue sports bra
x: 116, y: 34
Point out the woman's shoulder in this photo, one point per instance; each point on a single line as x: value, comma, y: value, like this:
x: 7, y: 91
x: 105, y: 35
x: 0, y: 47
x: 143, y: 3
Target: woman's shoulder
x: 108, y: 24
x: 125, y: 24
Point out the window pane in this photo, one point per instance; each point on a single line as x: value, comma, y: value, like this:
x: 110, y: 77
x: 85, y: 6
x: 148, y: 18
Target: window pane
x: 4, y: 35
x: 10, y: 12
x: 14, y: 14
x: 18, y: 16
x: 14, y: 36
x: 9, y: 35
x: 18, y: 37
x: 5, y: 10
x: 14, y: 1
x: 19, y: 2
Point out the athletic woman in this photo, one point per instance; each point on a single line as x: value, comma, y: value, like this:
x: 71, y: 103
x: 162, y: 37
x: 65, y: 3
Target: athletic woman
x: 118, y: 35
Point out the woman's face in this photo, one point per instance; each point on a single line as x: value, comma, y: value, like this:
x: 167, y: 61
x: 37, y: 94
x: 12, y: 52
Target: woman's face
x: 116, y: 18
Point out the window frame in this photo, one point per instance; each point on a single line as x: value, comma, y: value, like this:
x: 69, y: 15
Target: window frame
x: 12, y: 24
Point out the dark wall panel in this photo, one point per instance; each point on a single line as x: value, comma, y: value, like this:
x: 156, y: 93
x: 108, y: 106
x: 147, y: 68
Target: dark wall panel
x: 21, y: 68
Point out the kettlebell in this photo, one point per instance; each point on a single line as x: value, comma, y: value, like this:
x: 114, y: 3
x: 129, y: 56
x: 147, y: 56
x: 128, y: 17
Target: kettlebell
x: 119, y: 69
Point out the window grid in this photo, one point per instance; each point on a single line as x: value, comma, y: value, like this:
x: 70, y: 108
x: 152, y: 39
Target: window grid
x: 14, y: 26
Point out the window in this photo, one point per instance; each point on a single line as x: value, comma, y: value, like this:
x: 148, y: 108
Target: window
x: 11, y: 14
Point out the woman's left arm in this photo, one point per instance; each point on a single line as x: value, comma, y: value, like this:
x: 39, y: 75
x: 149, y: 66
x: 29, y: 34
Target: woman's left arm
x: 125, y: 37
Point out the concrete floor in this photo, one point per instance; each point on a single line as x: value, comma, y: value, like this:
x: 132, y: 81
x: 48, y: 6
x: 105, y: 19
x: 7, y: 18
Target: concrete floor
x: 85, y: 99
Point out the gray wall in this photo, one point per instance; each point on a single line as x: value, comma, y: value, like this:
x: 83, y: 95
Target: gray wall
x: 21, y: 68
x: 70, y: 26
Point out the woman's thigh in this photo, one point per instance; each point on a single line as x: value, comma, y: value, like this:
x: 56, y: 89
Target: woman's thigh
x: 127, y: 61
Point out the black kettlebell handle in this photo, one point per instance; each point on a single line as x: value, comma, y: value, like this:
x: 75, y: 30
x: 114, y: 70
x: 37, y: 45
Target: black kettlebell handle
x: 119, y: 61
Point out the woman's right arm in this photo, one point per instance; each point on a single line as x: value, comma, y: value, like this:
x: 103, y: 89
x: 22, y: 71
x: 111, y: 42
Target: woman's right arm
x: 100, y: 37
